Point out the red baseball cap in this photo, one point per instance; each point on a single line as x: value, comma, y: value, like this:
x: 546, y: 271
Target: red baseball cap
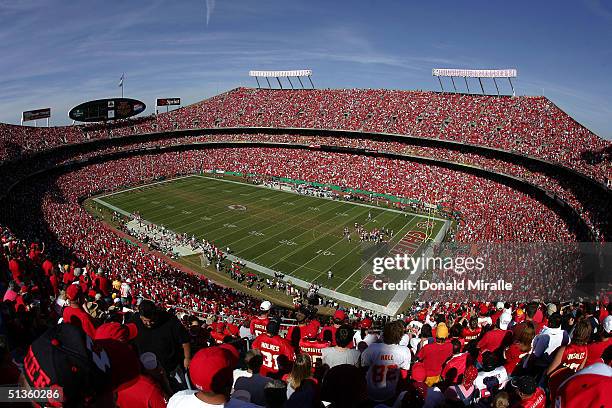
x: 132, y: 329
x: 339, y: 315
x: 589, y: 387
x: 115, y: 331
x: 211, y: 369
x: 365, y: 323
x: 74, y: 292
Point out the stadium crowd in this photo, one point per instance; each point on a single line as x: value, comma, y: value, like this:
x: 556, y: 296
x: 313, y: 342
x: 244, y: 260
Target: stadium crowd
x: 84, y: 327
x: 528, y: 125
x: 519, y: 218
x: 134, y: 324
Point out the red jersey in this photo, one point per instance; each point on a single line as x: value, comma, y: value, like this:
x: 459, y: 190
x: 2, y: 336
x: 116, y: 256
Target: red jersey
x: 596, y: 350
x: 469, y: 334
x: 144, y: 393
x: 433, y: 356
x: 574, y: 356
x: 218, y: 336
x: 332, y: 329
x: 537, y: 400
x: 313, y: 349
x: 102, y: 284
x: 458, y: 365
x: 68, y: 278
x: 80, y: 318
x: 259, y: 325
x: 308, y: 331
x: 271, y: 349
x: 54, y: 282
x: 16, y: 270
x: 231, y: 329
x: 513, y: 356
x: 47, y: 267
x: 494, y: 339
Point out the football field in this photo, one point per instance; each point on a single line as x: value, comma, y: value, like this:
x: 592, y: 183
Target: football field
x: 281, y: 231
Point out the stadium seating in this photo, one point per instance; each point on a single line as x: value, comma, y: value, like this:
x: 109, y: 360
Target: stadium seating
x: 528, y: 125
x: 51, y: 245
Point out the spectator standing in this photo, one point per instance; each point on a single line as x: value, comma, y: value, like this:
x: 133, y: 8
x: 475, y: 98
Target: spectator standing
x: 341, y: 353
x: 385, y: 361
x: 162, y: 334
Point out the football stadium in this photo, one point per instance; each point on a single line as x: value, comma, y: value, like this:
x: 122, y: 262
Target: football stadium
x: 280, y: 244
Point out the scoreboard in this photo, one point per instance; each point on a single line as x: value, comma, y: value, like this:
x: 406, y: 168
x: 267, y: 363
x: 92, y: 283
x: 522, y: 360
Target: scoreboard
x: 106, y: 109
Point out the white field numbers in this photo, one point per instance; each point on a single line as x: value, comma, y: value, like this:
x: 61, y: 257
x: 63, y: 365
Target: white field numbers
x: 324, y: 252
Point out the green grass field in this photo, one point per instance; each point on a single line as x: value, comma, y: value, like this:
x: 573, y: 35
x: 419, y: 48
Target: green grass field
x: 300, y: 236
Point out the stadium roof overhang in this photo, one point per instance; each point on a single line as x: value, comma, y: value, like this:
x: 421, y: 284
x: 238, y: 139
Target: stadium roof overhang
x: 299, y: 74
x: 475, y: 73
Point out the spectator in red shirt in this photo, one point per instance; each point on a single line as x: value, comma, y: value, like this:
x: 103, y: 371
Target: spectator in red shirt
x: 230, y: 328
x: 11, y: 292
x: 313, y: 347
x: 528, y: 393
x: 16, y: 269
x: 47, y: 267
x: 69, y: 275
x: 54, y: 281
x: 101, y: 283
x: 530, y: 313
x: 259, y: 324
x: 435, y: 354
x: 471, y: 332
x: 497, y: 339
x: 454, y: 368
x: 303, y: 330
x: 74, y: 313
x: 596, y: 349
x: 276, y: 351
x: 338, y: 319
x: 519, y: 349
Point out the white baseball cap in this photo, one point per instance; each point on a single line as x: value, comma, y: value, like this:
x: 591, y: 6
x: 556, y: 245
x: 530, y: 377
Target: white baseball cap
x: 499, y: 305
x: 607, y: 324
x: 265, y: 306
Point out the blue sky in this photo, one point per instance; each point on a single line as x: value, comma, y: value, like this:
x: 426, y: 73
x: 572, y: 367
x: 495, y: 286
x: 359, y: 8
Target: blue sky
x: 59, y: 53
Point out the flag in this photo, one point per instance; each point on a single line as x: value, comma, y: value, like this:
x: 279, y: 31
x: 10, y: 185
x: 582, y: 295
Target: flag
x: 121, y: 81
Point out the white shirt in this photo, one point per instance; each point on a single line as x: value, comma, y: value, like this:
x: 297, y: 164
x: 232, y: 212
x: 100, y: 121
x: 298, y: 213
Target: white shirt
x: 483, y: 321
x: 548, y: 341
x: 245, y: 332
x: 368, y: 339
x: 333, y: 356
x: 188, y: 399
x: 499, y: 373
x: 384, y: 362
x: 125, y: 290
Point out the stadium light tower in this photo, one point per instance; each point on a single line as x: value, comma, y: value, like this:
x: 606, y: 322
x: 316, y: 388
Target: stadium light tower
x: 283, y: 74
x: 475, y: 73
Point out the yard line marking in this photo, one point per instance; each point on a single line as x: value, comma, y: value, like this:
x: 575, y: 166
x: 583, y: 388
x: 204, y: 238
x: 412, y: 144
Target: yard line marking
x: 408, y: 224
x: 302, y: 246
x: 322, y: 273
x: 283, y: 231
x: 326, y: 198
